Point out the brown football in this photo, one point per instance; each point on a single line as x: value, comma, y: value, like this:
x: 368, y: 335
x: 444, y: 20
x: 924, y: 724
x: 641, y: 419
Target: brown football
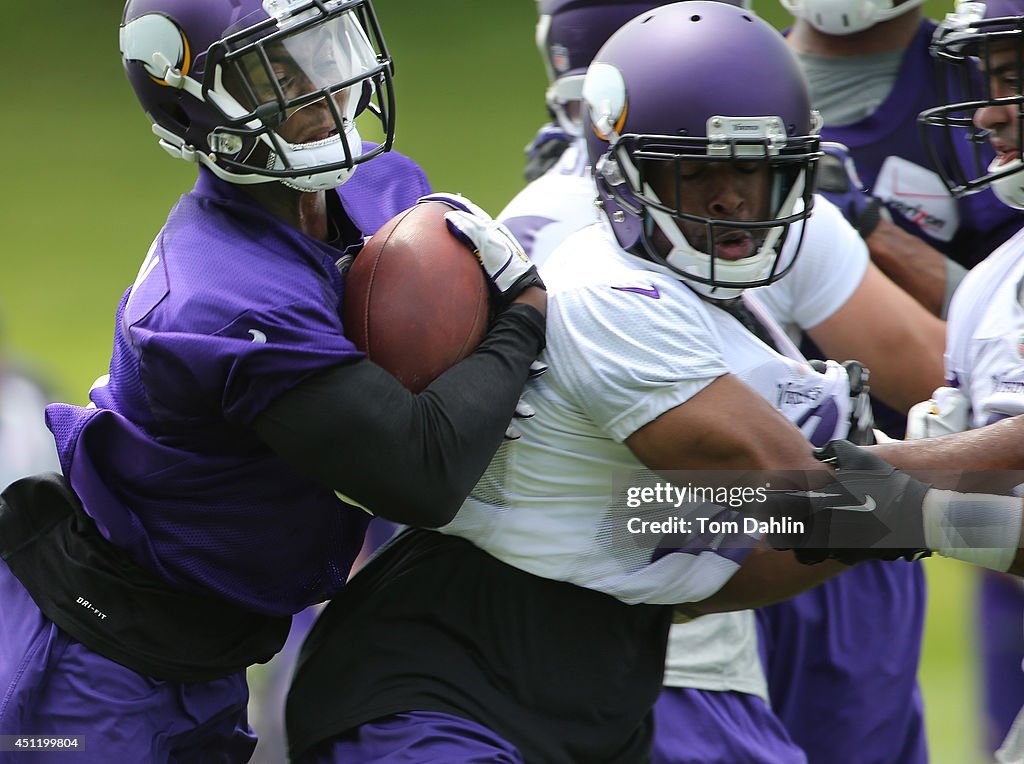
x: 416, y: 300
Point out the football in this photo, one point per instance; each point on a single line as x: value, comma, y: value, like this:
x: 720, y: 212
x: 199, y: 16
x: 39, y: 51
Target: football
x: 416, y: 300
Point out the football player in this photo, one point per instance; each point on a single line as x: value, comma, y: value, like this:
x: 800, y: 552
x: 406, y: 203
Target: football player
x: 879, y: 50
x: 836, y: 294
x: 544, y: 639
x: 200, y: 501
x: 984, y: 369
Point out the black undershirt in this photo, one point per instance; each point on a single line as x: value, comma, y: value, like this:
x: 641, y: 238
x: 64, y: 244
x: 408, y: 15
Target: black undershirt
x: 409, y: 458
x: 563, y: 673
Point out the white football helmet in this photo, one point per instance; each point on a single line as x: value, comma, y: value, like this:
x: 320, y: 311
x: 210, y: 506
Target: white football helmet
x: 843, y: 17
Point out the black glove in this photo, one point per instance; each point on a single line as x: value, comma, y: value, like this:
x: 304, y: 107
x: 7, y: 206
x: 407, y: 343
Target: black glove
x: 870, y: 511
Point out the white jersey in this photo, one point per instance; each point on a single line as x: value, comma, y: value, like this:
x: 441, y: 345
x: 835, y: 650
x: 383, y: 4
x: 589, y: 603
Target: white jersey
x: 985, y: 361
x: 26, y: 445
x: 554, y: 206
x: 717, y: 652
x: 626, y: 342
x: 985, y: 335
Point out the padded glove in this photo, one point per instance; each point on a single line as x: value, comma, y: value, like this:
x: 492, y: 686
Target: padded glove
x: 869, y: 511
x: 508, y: 269
x: 948, y: 410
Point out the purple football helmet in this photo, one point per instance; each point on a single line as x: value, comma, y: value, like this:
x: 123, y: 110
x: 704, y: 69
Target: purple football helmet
x: 262, y: 90
x: 569, y: 34
x: 972, y: 35
x: 701, y: 82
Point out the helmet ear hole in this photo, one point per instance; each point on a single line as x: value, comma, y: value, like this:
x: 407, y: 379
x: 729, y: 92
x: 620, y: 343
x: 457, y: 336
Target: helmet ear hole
x: 174, y: 115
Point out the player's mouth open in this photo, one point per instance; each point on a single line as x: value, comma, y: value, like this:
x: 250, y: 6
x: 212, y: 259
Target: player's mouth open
x: 734, y: 245
x: 323, y: 135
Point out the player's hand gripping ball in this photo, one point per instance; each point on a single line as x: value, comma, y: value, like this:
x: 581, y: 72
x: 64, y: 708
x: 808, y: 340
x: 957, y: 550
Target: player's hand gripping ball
x: 509, y: 271
x: 416, y: 300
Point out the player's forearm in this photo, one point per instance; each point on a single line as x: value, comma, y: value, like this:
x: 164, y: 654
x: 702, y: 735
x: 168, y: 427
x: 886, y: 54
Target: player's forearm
x: 989, y: 459
x: 409, y: 458
x: 886, y: 329
x: 534, y: 297
x: 901, y: 515
x: 913, y: 264
x: 767, y: 576
x: 980, y: 529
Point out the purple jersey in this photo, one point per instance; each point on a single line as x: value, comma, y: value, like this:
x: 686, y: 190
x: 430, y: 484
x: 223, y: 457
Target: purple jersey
x: 892, y: 162
x: 231, y: 308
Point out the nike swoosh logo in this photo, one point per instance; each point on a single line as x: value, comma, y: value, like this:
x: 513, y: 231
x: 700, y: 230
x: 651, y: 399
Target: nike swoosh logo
x: 258, y: 337
x: 652, y: 292
x: 867, y: 506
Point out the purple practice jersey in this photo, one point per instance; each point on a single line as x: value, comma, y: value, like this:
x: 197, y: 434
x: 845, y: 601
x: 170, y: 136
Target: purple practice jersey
x: 893, y: 164
x: 231, y: 308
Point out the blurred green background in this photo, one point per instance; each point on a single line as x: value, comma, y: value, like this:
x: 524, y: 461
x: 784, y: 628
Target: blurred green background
x: 86, y: 188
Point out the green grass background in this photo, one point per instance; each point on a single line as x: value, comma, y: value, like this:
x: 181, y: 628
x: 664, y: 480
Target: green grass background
x: 85, y: 188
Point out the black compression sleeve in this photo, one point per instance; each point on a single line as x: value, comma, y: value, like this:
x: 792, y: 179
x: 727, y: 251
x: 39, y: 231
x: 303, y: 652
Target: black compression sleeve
x: 408, y: 458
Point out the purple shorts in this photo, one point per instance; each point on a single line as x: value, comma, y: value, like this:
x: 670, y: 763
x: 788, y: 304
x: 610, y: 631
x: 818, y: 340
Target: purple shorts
x: 1000, y: 633
x: 841, y: 661
x: 52, y: 685
x: 704, y: 727
x: 424, y: 737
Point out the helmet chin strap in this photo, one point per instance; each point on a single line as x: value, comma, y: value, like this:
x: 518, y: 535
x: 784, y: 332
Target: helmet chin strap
x: 845, y: 17
x: 1009, y: 189
x: 686, y: 259
x: 327, y: 151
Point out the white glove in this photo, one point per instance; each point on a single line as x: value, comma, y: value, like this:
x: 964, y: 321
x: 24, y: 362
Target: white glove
x: 948, y: 411
x: 507, y: 267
